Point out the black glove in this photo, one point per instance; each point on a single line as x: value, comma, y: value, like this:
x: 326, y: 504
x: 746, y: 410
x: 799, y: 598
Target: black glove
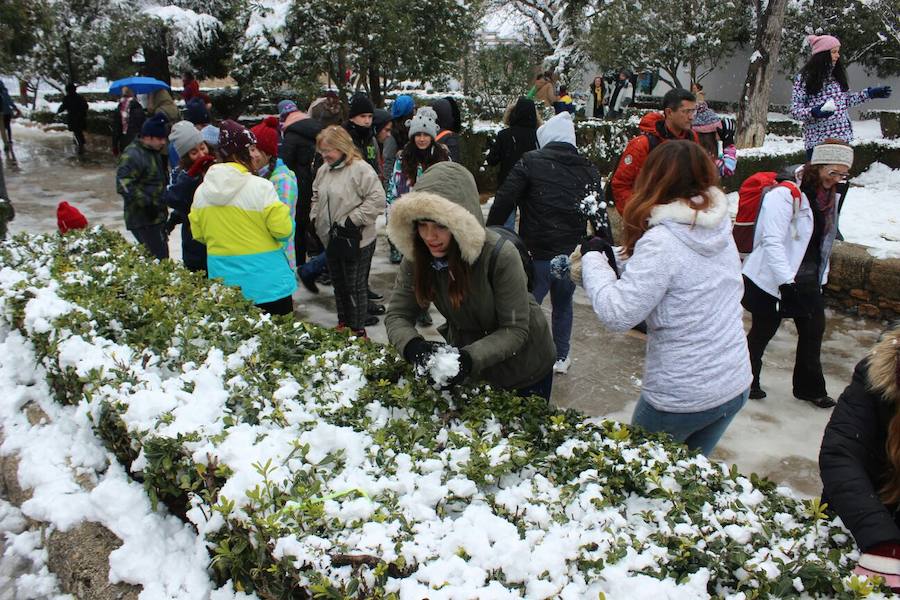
x: 791, y: 306
x: 465, y: 369
x: 726, y: 131
x: 418, y: 350
x: 881, y: 91
x: 819, y: 113
x: 598, y: 244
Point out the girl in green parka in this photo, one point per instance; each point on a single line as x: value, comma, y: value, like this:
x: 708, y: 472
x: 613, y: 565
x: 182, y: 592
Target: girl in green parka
x: 450, y: 260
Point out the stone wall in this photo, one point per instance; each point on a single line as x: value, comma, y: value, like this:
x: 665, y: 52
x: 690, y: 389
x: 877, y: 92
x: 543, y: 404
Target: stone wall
x: 862, y: 284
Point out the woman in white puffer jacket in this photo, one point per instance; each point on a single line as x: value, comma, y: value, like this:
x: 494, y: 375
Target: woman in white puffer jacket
x: 683, y: 277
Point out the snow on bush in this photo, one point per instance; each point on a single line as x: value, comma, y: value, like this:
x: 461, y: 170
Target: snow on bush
x: 310, y: 462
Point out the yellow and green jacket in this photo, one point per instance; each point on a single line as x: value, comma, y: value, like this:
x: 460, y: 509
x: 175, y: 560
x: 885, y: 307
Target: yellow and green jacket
x: 243, y: 224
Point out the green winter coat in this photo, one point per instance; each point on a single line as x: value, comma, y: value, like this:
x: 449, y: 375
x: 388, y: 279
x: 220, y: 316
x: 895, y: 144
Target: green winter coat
x: 141, y: 180
x: 498, y: 323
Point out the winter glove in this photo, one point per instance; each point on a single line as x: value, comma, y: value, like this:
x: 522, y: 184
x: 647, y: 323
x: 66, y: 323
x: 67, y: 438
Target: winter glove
x: 465, y: 369
x: 882, y: 560
x: 418, y: 350
x: 819, y: 113
x: 726, y: 131
x: 881, y: 91
x: 201, y: 165
x: 598, y: 244
x: 791, y: 306
x: 174, y: 219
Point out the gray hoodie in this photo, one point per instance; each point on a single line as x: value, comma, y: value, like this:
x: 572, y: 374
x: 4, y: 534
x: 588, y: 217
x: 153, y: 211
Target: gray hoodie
x: 684, y: 279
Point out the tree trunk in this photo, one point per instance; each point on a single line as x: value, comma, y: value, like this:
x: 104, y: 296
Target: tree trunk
x: 156, y: 56
x: 375, y: 86
x: 754, y: 104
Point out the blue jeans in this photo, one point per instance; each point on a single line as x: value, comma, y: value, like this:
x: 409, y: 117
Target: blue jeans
x: 561, y: 293
x: 542, y: 388
x: 314, y: 267
x: 511, y: 221
x: 700, y: 430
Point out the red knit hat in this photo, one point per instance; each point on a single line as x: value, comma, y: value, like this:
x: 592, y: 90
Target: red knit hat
x: 267, y: 137
x: 68, y: 218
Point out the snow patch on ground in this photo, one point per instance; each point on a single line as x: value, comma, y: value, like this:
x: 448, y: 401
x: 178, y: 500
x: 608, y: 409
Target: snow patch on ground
x: 871, y: 213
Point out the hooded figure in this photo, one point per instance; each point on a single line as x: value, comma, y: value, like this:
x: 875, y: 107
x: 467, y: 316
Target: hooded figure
x: 447, y: 135
x: 492, y: 320
x: 518, y: 138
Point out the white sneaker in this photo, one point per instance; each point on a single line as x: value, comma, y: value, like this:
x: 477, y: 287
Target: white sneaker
x: 562, y: 365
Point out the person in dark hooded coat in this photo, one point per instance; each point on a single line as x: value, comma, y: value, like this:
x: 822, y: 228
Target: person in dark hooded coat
x: 298, y: 151
x: 519, y: 137
x: 448, y: 126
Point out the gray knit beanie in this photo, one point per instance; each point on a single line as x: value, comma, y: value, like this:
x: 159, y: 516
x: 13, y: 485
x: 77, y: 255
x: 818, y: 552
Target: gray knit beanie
x: 184, y: 137
x: 424, y: 121
x: 832, y: 154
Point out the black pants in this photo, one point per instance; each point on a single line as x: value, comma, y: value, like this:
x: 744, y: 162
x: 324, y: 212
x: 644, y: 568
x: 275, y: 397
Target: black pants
x: 808, y: 380
x: 79, y: 139
x: 153, y: 238
x: 283, y: 306
x: 350, y: 279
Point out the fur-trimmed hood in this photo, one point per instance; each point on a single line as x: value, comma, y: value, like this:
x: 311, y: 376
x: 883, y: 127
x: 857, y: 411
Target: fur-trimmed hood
x: 445, y: 193
x: 884, y: 366
x: 706, y: 232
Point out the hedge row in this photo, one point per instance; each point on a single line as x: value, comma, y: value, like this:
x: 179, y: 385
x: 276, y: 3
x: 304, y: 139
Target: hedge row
x: 316, y: 464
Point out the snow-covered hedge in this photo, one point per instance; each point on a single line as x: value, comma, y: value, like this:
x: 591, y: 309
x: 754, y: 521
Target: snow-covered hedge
x: 316, y: 464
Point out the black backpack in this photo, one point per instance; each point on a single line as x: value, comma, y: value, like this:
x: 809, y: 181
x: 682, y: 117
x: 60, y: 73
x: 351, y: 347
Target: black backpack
x: 512, y: 237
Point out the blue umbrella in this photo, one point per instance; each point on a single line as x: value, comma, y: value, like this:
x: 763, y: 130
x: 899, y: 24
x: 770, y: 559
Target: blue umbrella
x: 138, y: 85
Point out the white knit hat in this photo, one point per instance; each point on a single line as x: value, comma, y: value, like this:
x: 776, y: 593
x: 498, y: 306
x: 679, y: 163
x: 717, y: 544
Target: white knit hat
x: 832, y: 154
x: 560, y: 128
x: 424, y: 121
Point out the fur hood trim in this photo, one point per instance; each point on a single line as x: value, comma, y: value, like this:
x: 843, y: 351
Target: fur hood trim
x: 681, y: 211
x: 414, y: 206
x: 884, y: 366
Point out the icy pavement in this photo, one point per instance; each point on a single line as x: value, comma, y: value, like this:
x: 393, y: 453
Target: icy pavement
x: 778, y: 437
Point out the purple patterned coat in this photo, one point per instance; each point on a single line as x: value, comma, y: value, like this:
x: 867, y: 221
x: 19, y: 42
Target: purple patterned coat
x: 837, y: 126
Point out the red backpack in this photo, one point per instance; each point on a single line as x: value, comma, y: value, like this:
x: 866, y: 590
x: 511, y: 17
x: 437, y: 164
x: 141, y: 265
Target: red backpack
x: 750, y: 197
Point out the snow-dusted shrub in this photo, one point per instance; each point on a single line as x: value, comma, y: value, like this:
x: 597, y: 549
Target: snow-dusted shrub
x: 317, y: 465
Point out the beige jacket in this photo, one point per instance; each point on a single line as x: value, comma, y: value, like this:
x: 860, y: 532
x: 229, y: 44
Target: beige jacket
x: 353, y: 191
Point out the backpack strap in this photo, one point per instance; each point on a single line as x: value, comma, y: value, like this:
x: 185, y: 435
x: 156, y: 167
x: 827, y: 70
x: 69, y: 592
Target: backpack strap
x: 492, y: 263
x: 795, y: 205
x: 442, y: 135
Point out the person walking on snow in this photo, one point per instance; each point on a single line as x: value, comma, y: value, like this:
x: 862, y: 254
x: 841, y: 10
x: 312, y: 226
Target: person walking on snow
x: 785, y: 272
x: 519, y: 137
x: 547, y: 186
x: 474, y: 280
x: 244, y: 225
x: 141, y: 180
x: 682, y: 277
x: 76, y: 108
x: 8, y: 111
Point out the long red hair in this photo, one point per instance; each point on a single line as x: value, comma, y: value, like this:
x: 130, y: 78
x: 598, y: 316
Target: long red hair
x: 675, y: 169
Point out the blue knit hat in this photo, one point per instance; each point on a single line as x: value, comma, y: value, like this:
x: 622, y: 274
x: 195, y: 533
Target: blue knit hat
x: 195, y: 112
x: 403, y: 106
x: 155, y: 126
x: 286, y: 107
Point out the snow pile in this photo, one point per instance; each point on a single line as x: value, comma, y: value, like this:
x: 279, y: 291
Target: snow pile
x: 871, y: 213
x: 306, y: 460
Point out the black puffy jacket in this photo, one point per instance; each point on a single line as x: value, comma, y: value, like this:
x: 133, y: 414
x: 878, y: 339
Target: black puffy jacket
x: 514, y: 141
x: 298, y: 151
x: 853, y: 460
x: 548, y: 186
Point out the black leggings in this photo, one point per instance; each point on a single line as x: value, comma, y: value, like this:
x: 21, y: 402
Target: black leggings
x: 808, y: 379
x: 282, y: 306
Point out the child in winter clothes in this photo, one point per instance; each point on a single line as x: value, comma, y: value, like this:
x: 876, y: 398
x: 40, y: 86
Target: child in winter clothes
x: 788, y: 266
x: 187, y: 176
x: 141, y: 180
x: 76, y: 108
x: 448, y: 123
x: 710, y: 129
x: 359, y: 126
x: 500, y: 331
x: 519, y: 137
x: 860, y: 460
x: 126, y: 121
x: 243, y: 224
x: 269, y: 166
x: 401, y: 111
x: 347, y: 198
x: 420, y: 152
x: 821, y: 98
x: 682, y: 278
